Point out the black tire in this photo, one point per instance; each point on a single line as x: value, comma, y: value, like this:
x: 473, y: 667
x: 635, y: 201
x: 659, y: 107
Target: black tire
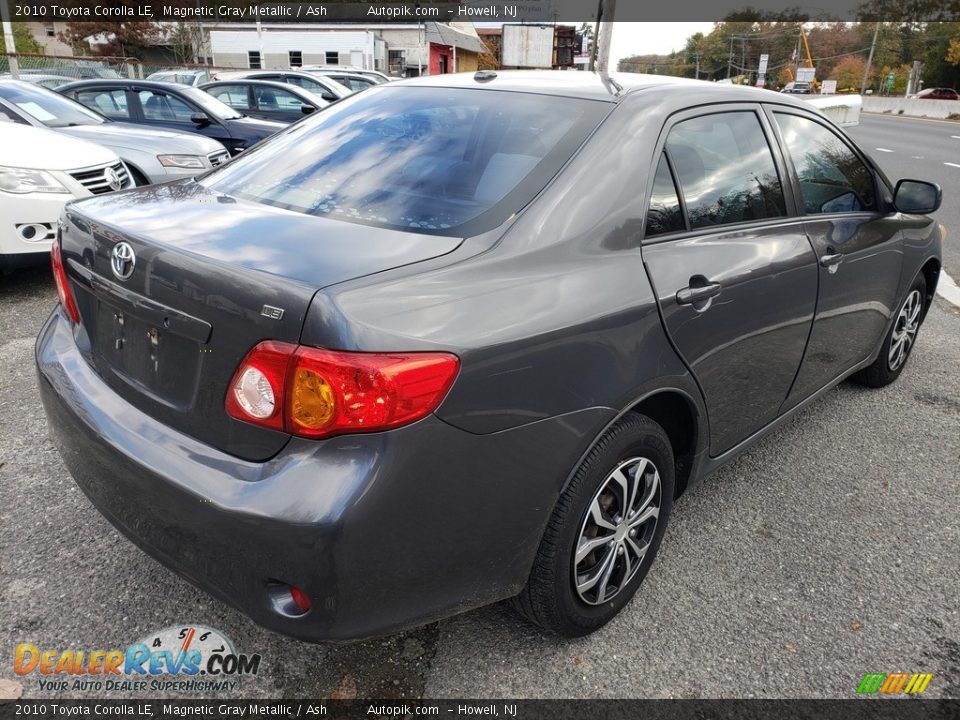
x: 881, y: 373
x: 550, y: 598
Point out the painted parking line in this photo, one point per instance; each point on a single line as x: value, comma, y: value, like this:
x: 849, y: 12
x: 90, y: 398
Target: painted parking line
x: 884, y: 150
x: 948, y: 289
x: 955, y: 137
x: 952, y: 164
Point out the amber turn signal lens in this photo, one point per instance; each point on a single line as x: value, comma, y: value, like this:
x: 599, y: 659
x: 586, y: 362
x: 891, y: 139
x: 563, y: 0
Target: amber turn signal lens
x: 312, y: 400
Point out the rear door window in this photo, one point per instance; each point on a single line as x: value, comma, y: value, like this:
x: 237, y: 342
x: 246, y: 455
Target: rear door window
x: 832, y: 178
x: 429, y: 160
x: 725, y: 169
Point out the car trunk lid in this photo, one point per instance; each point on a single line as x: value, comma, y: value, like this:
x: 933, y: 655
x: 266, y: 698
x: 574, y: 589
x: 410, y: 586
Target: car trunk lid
x: 210, y: 276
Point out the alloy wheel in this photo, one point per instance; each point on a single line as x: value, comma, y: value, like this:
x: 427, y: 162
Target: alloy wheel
x: 904, y: 331
x: 617, y: 530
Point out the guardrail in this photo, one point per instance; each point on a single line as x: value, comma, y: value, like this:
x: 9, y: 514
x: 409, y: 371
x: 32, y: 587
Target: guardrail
x: 943, y: 109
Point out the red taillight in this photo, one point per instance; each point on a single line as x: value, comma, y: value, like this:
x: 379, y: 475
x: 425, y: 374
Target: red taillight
x: 63, y: 285
x: 316, y: 393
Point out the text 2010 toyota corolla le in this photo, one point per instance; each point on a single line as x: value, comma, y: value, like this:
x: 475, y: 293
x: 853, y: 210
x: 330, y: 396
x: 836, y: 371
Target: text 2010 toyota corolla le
x: 467, y: 338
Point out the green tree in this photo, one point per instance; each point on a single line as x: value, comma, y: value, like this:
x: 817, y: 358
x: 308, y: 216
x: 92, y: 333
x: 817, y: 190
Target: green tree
x: 848, y: 73
x: 900, y: 76
x: 22, y: 38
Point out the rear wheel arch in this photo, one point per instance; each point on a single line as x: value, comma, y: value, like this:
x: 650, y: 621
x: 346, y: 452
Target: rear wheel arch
x: 677, y: 414
x: 682, y: 418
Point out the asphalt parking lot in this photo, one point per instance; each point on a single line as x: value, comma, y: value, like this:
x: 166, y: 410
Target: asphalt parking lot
x: 829, y: 550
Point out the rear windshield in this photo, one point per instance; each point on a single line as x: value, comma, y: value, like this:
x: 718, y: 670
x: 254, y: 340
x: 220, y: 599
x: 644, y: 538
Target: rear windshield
x: 429, y: 160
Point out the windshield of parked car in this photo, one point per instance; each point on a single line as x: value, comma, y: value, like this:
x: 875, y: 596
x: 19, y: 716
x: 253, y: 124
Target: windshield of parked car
x: 47, y: 107
x: 209, y: 103
x: 430, y: 160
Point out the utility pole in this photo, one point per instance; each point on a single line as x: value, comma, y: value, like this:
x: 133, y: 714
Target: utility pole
x: 866, y: 70
x: 697, y: 56
x: 730, y: 59
x: 743, y: 55
x: 608, y: 9
x: 8, y: 40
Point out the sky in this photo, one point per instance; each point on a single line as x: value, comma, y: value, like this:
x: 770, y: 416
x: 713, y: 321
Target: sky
x: 645, y: 38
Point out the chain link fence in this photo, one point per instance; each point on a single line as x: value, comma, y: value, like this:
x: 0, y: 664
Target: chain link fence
x: 57, y: 69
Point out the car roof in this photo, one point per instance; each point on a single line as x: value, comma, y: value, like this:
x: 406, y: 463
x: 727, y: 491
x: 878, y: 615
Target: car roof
x: 104, y: 82
x: 280, y: 71
x: 609, y: 87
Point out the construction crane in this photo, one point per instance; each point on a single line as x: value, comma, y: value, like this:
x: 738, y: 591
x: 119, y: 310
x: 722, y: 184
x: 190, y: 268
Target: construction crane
x: 806, y: 49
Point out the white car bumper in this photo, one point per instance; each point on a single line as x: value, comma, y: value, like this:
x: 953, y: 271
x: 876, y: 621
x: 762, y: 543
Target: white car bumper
x: 28, y: 221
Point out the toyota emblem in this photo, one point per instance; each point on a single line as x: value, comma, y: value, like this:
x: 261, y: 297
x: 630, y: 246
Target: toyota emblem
x: 122, y: 260
x: 113, y: 180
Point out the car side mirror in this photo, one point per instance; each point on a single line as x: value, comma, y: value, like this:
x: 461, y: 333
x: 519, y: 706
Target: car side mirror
x: 917, y: 197
x: 329, y: 97
x: 307, y: 109
x: 200, y: 119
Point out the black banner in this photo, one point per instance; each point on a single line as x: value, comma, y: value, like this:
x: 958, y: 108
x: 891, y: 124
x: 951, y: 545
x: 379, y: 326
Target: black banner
x: 875, y: 709
x: 406, y: 11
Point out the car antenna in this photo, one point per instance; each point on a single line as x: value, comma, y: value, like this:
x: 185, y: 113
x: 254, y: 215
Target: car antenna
x: 484, y: 75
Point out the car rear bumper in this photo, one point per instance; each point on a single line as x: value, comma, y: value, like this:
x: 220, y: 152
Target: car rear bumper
x: 383, y: 531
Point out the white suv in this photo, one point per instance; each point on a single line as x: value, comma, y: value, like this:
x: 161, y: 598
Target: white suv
x: 40, y: 170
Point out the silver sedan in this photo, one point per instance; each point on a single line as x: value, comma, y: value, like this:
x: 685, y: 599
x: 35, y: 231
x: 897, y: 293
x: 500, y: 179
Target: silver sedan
x: 153, y: 155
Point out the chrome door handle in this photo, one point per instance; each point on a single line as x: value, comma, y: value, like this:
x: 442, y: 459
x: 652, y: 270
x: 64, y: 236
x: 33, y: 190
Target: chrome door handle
x: 690, y: 295
x: 831, y: 261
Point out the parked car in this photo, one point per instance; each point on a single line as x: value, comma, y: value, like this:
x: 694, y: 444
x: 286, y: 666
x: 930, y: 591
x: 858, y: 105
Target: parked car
x: 40, y: 170
x: 937, y: 94
x: 462, y: 337
x: 171, y: 107
x: 151, y: 155
x: 182, y: 76
x: 327, y: 88
x: 48, y: 81
x: 353, y: 81
x: 375, y: 75
x: 797, y: 88
x: 266, y: 99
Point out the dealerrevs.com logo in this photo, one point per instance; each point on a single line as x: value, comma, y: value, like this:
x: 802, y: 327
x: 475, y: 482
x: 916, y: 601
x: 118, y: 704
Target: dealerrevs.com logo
x: 182, y: 658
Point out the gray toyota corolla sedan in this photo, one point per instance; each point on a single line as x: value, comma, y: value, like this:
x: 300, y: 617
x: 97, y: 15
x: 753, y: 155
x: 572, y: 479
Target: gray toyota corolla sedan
x: 468, y: 337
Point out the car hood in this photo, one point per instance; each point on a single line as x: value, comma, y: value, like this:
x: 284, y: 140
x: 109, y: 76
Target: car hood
x: 25, y: 146
x: 187, y: 217
x: 137, y: 137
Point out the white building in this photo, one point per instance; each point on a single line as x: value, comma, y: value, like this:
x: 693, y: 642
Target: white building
x: 396, y: 48
x: 289, y: 46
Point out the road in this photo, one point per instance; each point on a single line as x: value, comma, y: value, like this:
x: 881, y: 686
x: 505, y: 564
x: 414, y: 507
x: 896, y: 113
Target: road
x: 923, y: 150
x: 827, y: 551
